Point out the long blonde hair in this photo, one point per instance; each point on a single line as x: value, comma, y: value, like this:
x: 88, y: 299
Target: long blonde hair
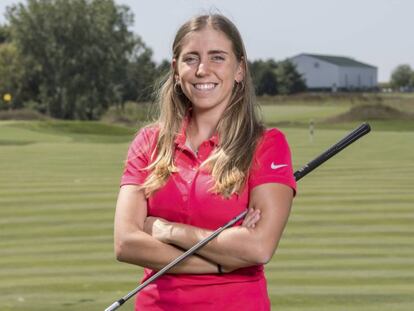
x: 238, y: 129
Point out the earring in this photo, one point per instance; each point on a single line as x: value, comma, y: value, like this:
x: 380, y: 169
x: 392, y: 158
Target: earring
x: 177, y: 88
x: 240, y: 85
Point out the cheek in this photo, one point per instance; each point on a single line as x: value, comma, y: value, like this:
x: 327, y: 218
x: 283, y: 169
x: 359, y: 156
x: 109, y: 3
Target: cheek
x: 185, y: 83
x: 230, y: 74
x: 185, y: 74
x: 229, y: 78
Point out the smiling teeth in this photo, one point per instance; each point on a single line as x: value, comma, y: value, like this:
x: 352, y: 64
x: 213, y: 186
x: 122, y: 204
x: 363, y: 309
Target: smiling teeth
x: 204, y: 86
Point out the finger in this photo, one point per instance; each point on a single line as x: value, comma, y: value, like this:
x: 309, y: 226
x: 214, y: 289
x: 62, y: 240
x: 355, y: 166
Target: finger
x: 257, y: 216
x: 247, y: 218
x: 251, y: 220
x: 254, y: 219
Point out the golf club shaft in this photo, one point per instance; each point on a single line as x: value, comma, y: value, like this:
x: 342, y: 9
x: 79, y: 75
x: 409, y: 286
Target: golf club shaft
x: 343, y: 143
x: 360, y: 131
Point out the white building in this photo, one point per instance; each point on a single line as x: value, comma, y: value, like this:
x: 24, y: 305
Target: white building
x: 322, y: 72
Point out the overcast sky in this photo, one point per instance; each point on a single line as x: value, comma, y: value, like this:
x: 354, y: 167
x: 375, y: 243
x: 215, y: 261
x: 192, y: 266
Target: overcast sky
x: 377, y: 32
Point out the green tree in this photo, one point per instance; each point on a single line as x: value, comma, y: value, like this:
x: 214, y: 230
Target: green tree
x: 141, y: 75
x: 402, y: 77
x: 264, y: 76
x: 163, y: 68
x: 4, y: 34
x: 412, y: 80
x: 290, y: 81
x: 268, y: 84
x: 11, y: 75
x: 76, y: 51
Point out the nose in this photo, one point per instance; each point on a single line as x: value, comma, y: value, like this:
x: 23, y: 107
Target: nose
x: 202, y: 69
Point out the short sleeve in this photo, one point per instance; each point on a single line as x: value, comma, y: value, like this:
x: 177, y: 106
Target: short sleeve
x: 272, y: 162
x: 138, y: 157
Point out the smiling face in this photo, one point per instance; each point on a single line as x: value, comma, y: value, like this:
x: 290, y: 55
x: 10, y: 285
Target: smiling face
x: 207, y: 69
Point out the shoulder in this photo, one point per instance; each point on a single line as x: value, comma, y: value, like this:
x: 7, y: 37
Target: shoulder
x: 272, y: 132
x: 271, y: 137
x: 146, y: 138
x: 272, y: 160
x: 147, y: 133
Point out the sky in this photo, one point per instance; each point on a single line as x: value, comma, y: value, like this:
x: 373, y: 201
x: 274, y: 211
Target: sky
x: 376, y: 32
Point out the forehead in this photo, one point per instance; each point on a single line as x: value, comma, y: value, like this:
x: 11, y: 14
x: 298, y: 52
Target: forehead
x: 206, y: 39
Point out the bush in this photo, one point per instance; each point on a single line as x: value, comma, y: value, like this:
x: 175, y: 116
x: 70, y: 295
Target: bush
x: 131, y: 114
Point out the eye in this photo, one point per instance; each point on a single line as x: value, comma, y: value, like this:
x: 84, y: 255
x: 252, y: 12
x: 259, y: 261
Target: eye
x: 190, y: 59
x: 218, y: 58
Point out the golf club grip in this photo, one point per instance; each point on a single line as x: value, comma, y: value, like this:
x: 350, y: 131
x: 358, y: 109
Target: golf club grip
x: 342, y: 144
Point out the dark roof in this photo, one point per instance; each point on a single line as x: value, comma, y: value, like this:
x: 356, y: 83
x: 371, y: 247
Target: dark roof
x: 340, y: 60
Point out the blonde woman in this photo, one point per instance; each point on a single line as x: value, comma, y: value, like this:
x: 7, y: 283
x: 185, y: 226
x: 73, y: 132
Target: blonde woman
x: 204, y: 161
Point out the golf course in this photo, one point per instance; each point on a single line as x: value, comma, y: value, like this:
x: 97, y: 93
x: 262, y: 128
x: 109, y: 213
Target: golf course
x: 348, y: 246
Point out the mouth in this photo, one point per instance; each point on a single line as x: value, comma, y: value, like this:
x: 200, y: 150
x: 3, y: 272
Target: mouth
x: 205, y: 86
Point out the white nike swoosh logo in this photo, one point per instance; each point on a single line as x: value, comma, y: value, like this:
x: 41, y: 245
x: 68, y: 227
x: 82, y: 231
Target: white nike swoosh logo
x: 275, y: 167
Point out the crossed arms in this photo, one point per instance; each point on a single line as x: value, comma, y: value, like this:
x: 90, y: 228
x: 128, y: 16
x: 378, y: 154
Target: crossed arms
x: 154, y: 242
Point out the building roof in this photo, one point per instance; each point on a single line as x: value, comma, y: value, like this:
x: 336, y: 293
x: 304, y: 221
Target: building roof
x: 340, y: 60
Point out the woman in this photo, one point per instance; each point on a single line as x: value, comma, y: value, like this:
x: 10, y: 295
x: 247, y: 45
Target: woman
x: 206, y: 160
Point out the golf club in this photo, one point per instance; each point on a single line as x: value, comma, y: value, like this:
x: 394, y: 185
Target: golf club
x: 342, y: 144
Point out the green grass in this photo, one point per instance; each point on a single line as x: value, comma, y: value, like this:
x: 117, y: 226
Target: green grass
x: 348, y: 245
x: 300, y: 113
x: 54, y: 131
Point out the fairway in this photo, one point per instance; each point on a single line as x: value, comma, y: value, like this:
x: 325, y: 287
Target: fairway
x: 349, y: 244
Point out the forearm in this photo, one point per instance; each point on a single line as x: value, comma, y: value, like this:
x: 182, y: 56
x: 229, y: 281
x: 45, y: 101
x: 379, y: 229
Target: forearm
x: 240, y: 246
x: 141, y: 249
x: 243, y: 246
x: 234, y: 248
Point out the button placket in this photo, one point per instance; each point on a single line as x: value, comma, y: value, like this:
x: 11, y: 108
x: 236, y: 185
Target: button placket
x: 193, y: 167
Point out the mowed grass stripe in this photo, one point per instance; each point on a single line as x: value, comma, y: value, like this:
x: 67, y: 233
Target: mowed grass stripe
x: 63, y: 208
x: 403, y: 254
x: 313, y: 279
x: 347, y: 242
x: 327, y: 265
x: 334, y: 289
x: 363, y: 217
x: 322, y: 250
x: 56, y: 198
x: 314, y: 209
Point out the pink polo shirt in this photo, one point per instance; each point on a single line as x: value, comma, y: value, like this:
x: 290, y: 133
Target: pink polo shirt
x: 185, y: 199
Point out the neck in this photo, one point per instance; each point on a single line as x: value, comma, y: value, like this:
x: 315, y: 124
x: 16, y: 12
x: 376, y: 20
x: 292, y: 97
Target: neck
x: 202, y: 126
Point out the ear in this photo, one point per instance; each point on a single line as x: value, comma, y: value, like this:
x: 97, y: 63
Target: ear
x: 240, y: 71
x: 174, y: 69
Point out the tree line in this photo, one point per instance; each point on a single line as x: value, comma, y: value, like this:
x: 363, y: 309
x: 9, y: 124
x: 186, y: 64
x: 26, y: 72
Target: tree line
x: 402, y: 78
x: 73, y: 59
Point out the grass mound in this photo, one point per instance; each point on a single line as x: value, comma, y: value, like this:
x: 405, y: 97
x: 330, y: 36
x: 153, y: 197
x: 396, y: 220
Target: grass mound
x: 76, y: 131
x: 76, y: 127
x: 371, y: 112
x: 131, y: 115
x: 22, y: 114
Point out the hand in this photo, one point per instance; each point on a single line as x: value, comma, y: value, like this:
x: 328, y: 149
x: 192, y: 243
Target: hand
x: 158, y: 228
x: 251, y: 218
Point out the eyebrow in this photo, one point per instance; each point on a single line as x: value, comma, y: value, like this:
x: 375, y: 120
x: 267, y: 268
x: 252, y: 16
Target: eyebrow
x: 217, y: 52
x: 209, y: 52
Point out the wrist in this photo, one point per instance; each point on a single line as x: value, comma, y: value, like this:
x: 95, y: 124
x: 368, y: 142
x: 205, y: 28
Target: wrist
x: 167, y: 237
x: 176, y: 234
